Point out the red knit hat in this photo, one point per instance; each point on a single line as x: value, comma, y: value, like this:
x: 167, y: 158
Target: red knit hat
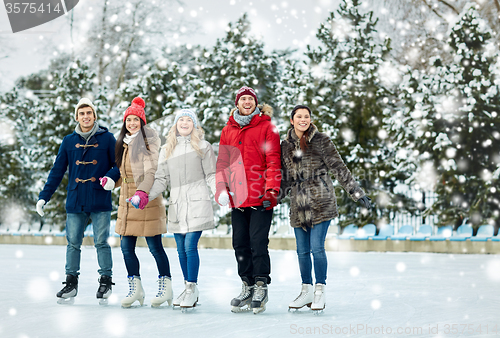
x: 245, y: 91
x: 137, y: 109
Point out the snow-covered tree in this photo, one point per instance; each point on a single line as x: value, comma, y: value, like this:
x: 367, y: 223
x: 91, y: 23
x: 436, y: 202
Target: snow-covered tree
x: 296, y: 86
x: 56, y: 120
x: 18, y: 118
x: 454, y: 118
x: 236, y: 60
x: 355, y: 80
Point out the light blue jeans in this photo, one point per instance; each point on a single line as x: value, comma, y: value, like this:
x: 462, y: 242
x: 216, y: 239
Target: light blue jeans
x: 187, y: 249
x: 312, y: 241
x: 75, y: 227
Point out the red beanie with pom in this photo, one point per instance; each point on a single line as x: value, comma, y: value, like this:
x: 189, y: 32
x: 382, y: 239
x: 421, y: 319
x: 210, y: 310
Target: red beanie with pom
x: 137, y: 109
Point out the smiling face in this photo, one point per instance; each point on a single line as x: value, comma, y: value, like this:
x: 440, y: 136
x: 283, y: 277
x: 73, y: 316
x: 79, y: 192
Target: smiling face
x: 301, y: 121
x: 86, y: 118
x: 246, y: 105
x: 133, y: 124
x: 185, y: 126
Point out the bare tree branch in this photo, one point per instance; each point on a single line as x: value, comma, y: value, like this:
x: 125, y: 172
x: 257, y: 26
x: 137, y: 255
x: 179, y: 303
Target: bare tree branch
x: 449, y: 6
x: 432, y: 8
x: 497, y: 5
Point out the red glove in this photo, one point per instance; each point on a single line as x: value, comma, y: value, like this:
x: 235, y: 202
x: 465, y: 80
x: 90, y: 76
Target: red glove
x: 270, y: 199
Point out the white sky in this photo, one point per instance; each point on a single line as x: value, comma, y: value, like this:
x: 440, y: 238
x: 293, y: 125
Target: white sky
x: 282, y: 24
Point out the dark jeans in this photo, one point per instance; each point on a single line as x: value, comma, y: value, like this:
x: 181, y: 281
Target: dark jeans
x: 187, y: 248
x: 155, y: 247
x: 312, y: 241
x: 250, y: 240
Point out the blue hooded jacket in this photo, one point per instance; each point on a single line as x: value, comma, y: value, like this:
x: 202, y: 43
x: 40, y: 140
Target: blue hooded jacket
x: 87, y: 163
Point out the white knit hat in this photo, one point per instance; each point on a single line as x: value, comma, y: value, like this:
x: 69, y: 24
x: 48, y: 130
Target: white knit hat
x: 189, y: 113
x: 85, y: 101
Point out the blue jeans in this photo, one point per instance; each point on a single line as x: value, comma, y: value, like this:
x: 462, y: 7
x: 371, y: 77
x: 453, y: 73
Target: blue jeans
x: 187, y: 248
x: 312, y: 240
x: 155, y: 247
x: 75, y: 227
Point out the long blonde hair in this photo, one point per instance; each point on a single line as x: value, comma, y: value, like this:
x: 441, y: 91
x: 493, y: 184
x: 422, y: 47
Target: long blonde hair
x: 197, y: 134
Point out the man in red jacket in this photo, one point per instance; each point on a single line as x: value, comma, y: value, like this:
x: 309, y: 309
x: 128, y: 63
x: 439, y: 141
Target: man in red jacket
x: 248, y: 179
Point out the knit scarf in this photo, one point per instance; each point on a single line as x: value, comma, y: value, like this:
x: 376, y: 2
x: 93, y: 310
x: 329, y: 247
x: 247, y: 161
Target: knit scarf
x: 128, y: 138
x: 245, y: 120
x: 89, y: 133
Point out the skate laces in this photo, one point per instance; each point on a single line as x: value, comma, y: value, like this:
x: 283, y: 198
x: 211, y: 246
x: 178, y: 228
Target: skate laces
x: 131, y: 286
x: 104, y: 284
x: 161, y: 287
x: 318, y: 293
x: 245, y: 292
x: 302, y: 294
x: 259, y: 292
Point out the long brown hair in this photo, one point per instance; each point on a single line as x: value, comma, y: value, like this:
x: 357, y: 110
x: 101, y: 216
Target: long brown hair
x: 119, y: 143
x: 305, y: 136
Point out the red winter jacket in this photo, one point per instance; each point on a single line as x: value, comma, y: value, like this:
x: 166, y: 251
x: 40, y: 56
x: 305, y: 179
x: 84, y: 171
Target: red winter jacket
x: 249, y: 161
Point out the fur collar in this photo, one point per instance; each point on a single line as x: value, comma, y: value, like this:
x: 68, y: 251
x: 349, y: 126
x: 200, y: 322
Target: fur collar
x: 264, y: 109
x: 292, y: 137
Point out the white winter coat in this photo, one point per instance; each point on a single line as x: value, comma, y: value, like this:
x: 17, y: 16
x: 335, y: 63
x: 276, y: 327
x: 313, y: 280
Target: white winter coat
x: 189, y: 177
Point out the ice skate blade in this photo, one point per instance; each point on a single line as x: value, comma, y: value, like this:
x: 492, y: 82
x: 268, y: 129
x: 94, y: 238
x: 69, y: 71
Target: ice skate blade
x: 187, y: 309
x: 237, y: 309
x: 132, y: 306
x: 296, y: 309
x: 318, y: 312
x: 258, y: 310
x: 66, y: 301
x: 103, y: 301
x: 162, y: 306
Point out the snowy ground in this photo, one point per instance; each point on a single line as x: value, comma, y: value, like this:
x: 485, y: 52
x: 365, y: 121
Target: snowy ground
x: 369, y: 294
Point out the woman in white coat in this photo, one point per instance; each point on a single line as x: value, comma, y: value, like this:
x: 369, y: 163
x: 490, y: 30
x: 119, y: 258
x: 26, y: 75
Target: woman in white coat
x: 187, y: 164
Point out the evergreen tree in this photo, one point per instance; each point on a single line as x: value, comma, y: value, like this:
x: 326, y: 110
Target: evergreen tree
x: 296, y: 86
x: 354, y: 98
x: 57, y: 119
x: 163, y: 88
x: 17, y: 152
x: 236, y: 60
x: 455, y: 119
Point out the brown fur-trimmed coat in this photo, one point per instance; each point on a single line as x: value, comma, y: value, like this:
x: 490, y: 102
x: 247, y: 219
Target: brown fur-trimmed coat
x: 305, y: 175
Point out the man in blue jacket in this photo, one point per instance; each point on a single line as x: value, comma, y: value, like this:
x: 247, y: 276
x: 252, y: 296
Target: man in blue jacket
x: 88, y: 154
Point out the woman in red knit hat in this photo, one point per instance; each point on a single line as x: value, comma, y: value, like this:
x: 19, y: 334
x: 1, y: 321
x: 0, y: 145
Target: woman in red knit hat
x: 136, y: 151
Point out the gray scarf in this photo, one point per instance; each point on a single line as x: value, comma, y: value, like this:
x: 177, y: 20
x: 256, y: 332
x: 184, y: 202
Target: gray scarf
x: 88, y: 134
x: 245, y: 120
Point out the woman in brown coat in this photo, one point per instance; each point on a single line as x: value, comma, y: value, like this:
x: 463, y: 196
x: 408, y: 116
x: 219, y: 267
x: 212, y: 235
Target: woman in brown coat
x: 307, y: 157
x: 137, y: 150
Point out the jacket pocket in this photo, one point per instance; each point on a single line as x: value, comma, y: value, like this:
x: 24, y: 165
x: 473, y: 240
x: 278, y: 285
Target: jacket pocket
x: 172, y: 212
x: 199, y: 206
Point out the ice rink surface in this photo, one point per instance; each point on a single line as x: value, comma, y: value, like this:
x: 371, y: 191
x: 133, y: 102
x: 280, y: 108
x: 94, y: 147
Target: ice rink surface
x: 368, y: 295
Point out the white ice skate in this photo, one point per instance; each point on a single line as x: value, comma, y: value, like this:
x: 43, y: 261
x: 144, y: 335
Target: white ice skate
x: 164, y: 292
x: 305, y: 298
x: 259, y: 299
x: 242, y: 302
x: 318, y: 304
x: 135, y: 293
x: 190, y: 297
x: 177, y: 302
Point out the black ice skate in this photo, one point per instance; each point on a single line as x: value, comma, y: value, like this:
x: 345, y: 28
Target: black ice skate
x: 242, y: 302
x: 68, y: 293
x: 259, y: 299
x: 104, y: 290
